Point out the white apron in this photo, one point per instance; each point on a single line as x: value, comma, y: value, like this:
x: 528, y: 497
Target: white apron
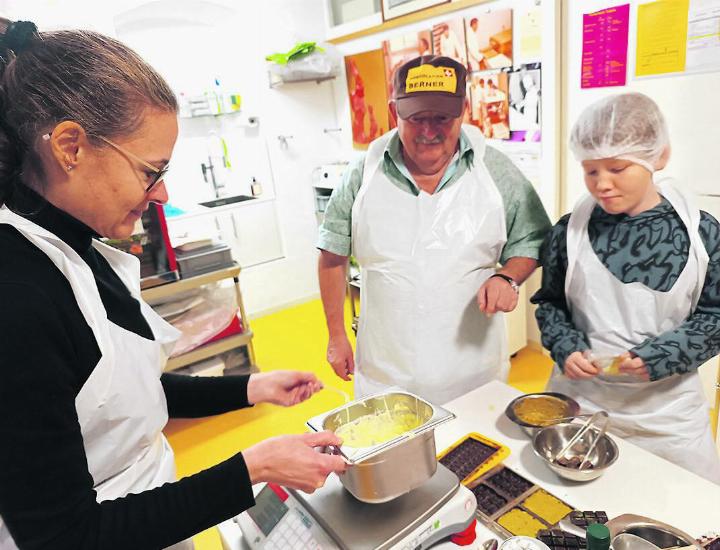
x: 668, y: 417
x: 423, y: 259
x: 121, y: 408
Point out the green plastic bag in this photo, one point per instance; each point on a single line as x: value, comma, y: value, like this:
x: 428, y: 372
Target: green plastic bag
x: 300, y: 50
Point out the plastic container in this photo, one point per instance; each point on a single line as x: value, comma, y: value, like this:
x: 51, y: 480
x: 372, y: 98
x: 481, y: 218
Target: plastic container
x: 523, y: 543
x: 204, y: 260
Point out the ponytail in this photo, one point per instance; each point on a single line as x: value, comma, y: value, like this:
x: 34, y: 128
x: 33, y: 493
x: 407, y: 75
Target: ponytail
x: 17, y: 36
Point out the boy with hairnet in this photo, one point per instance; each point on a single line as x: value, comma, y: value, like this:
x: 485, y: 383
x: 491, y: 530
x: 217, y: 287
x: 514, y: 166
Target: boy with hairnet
x: 630, y: 300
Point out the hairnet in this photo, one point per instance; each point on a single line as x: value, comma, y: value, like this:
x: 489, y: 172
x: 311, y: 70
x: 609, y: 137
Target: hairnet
x: 627, y: 126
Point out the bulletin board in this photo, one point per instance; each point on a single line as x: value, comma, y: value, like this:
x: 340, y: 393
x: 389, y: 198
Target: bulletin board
x: 513, y: 78
x: 688, y: 99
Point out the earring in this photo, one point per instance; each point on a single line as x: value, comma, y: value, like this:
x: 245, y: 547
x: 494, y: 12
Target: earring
x: 69, y: 167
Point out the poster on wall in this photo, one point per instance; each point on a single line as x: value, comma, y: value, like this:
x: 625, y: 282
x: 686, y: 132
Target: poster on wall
x: 529, y: 48
x: 662, y: 29
x: 368, y: 96
x: 703, y: 41
x: 489, y: 103
x: 489, y: 40
x: 605, y: 46
x: 449, y: 40
x: 395, y: 8
x: 400, y: 49
x: 524, y: 86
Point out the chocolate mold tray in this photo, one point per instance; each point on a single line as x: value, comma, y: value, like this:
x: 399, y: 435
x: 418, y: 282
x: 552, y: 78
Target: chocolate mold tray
x: 472, y: 456
x: 513, y: 505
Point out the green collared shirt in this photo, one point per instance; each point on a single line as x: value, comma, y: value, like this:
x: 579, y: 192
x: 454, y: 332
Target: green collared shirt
x: 525, y: 218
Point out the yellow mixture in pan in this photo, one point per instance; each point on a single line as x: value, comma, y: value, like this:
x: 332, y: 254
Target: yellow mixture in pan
x: 540, y: 411
x: 373, y: 429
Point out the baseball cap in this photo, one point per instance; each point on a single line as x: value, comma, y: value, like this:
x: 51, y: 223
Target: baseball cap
x: 429, y: 83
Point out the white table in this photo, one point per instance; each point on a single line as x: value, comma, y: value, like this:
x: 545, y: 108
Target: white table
x: 638, y: 483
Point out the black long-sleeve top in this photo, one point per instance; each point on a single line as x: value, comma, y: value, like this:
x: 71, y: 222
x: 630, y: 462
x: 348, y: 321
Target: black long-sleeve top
x: 47, y: 498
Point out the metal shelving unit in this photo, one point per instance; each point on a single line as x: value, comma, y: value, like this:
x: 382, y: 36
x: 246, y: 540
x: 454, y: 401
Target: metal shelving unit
x: 213, y: 348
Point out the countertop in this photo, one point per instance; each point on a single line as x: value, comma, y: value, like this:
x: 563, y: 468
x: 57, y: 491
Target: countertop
x: 638, y: 483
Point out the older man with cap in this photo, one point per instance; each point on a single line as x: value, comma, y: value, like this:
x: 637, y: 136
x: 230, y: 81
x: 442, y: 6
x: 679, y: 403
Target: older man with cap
x: 429, y: 213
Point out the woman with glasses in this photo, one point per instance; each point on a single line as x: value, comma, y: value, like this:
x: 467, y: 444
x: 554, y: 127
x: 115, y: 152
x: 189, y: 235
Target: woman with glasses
x: 86, y: 132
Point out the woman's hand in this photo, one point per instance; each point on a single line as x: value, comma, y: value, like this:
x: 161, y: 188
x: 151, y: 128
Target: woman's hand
x: 578, y: 367
x: 282, y: 387
x: 292, y: 461
x: 634, y: 366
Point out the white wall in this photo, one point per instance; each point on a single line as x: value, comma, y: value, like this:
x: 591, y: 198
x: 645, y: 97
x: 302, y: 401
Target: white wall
x: 689, y: 103
x: 192, y: 41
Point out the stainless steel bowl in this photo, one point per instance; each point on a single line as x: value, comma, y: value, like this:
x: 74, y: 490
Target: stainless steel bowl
x: 656, y: 532
x: 550, y: 440
x: 387, y: 470
x: 571, y: 409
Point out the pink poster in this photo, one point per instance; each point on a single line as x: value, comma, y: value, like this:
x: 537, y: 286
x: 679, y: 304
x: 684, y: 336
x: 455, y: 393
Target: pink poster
x: 605, y: 45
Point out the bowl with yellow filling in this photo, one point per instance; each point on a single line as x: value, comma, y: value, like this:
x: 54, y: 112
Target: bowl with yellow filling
x: 533, y: 411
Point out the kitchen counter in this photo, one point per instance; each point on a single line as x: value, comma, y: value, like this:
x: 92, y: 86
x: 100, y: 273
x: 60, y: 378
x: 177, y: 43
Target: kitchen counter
x: 638, y: 483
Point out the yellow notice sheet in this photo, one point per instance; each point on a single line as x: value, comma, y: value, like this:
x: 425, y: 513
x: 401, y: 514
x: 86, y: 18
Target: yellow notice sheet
x: 530, y: 35
x: 661, y: 37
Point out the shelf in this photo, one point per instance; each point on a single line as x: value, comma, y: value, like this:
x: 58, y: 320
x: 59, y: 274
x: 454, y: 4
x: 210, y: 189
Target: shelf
x: 209, y: 115
x: 204, y: 351
x: 208, y: 350
x: 277, y: 81
x: 165, y: 291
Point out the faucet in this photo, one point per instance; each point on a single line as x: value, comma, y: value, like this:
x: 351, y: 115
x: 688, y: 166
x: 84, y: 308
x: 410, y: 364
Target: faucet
x: 210, y: 167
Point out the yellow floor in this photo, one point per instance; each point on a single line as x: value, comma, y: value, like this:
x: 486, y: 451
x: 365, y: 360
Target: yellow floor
x: 294, y: 338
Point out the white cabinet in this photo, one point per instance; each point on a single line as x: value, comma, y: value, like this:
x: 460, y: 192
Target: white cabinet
x: 348, y: 16
x: 251, y: 230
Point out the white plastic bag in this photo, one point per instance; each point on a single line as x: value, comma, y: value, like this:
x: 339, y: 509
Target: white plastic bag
x: 202, y: 322
x: 318, y: 64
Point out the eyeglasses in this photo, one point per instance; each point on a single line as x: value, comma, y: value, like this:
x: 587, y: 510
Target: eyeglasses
x: 437, y: 120
x: 157, y: 174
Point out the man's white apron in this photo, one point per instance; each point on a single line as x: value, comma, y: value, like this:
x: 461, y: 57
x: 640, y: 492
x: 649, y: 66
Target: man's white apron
x: 423, y: 259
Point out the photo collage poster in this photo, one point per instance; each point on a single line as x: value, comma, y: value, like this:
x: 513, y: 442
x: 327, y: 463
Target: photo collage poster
x: 503, y: 100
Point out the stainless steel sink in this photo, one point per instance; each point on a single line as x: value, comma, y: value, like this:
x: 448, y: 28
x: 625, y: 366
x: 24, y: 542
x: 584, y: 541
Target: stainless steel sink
x: 226, y: 200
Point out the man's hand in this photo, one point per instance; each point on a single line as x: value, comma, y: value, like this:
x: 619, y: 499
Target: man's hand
x: 495, y: 295
x: 634, y: 366
x: 578, y: 367
x: 282, y: 387
x: 340, y: 356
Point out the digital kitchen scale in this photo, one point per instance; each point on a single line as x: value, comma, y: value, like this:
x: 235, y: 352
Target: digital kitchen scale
x: 331, y: 518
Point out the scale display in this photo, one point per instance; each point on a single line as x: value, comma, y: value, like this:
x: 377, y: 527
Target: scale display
x: 268, y: 510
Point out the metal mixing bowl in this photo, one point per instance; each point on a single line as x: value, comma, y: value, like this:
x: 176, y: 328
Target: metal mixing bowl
x: 656, y: 532
x: 571, y: 409
x: 550, y: 440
